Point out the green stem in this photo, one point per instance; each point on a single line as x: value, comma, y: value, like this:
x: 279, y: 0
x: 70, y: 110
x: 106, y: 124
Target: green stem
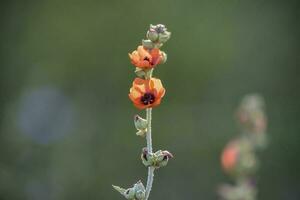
x: 149, y: 181
x: 149, y: 147
x: 148, y: 135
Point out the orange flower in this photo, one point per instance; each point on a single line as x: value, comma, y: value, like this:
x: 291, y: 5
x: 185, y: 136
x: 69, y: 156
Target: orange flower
x: 146, y: 93
x: 230, y: 156
x: 143, y: 58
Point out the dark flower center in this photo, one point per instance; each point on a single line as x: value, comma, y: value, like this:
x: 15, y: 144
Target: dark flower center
x: 148, y: 98
x: 148, y: 60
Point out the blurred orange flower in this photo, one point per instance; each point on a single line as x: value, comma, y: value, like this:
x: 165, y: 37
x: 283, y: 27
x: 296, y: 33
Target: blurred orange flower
x: 229, y: 156
x: 144, y: 58
x: 146, y: 93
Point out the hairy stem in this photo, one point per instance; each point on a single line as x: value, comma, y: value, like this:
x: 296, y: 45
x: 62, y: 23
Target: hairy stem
x: 149, y: 147
x: 148, y: 135
x: 149, y: 181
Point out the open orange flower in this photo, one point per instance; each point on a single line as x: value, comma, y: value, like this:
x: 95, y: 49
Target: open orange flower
x: 146, y: 93
x: 144, y: 58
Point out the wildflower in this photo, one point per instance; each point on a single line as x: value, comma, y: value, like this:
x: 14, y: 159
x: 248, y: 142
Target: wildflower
x: 146, y: 93
x: 144, y: 58
x: 230, y: 156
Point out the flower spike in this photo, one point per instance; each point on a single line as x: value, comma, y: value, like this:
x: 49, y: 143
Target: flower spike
x: 146, y: 93
x: 239, y: 158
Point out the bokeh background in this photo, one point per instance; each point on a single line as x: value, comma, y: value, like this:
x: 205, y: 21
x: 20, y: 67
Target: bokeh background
x: 66, y: 129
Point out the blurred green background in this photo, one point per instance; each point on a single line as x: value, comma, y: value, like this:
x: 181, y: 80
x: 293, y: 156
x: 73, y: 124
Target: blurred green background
x: 67, y: 129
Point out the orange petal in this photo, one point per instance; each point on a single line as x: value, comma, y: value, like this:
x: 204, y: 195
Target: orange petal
x: 156, y: 56
x: 156, y: 84
x: 147, y: 85
x: 134, y: 93
x: 156, y: 103
x: 151, y: 84
x: 161, y: 93
x: 139, y: 105
x: 139, y: 84
x: 155, y: 52
x: 135, y: 57
x: 143, y: 53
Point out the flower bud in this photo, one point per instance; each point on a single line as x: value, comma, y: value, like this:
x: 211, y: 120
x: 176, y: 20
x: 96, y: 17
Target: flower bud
x: 159, y: 28
x: 137, y: 192
x: 163, y: 57
x: 158, y: 45
x: 146, y: 157
x: 164, y: 37
x: 148, y: 44
x: 152, y: 35
x: 140, y: 72
x: 140, y: 123
x: 157, y: 159
x: 158, y: 34
x: 163, y: 158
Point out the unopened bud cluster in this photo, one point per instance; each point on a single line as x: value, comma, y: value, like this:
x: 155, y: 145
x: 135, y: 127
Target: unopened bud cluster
x: 157, y: 159
x: 157, y: 35
x: 239, y: 158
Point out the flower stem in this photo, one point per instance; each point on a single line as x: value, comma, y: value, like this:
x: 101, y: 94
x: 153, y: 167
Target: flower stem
x: 149, y: 181
x: 149, y: 147
x: 148, y: 135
